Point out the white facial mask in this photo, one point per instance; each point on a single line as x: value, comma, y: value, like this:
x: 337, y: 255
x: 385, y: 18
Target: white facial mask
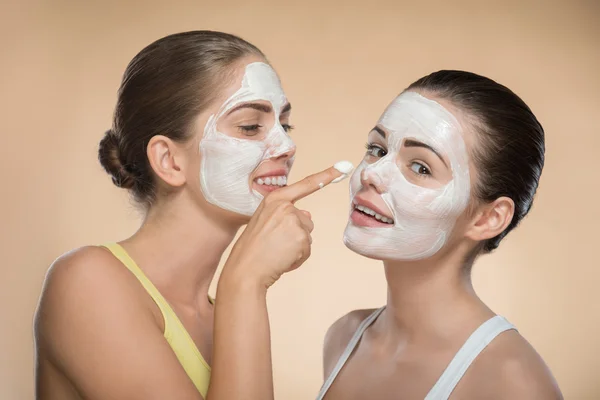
x: 228, y: 162
x: 423, y: 217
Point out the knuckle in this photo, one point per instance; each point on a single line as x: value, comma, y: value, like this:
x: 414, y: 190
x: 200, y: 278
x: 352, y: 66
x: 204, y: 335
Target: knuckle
x: 291, y: 217
x: 282, y: 207
x: 307, y: 252
x: 311, y: 180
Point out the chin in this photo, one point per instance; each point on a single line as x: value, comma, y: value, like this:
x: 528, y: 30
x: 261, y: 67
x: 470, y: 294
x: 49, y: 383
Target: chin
x: 359, y: 248
x: 373, y: 243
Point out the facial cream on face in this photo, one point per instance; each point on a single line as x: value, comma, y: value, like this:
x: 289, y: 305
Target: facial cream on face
x: 228, y: 162
x: 423, y: 218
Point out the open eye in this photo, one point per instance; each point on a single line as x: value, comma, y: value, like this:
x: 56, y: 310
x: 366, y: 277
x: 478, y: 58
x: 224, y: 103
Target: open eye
x: 375, y: 150
x: 419, y: 168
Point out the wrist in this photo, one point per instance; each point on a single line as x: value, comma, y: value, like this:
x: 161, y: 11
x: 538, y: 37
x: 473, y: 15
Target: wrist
x: 233, y: 282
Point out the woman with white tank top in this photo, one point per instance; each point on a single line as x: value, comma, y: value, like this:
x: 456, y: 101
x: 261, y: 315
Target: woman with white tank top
x: 451, y: 167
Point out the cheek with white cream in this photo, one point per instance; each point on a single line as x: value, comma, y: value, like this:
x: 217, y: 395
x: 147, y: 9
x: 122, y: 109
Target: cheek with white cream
x: 419, y: 219
x: 228, y: 162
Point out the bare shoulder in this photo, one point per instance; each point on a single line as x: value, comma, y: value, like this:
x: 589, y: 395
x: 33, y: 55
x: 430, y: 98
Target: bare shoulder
x: 81, y: 262
x: 95, y: 323
x: 83, y: 281
x: 84, y: 270
x: 509, y: 368
x: 339, y: 334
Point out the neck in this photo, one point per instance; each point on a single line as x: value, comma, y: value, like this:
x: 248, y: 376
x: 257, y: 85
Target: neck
x: 179, y: 247
x: 431, y: 299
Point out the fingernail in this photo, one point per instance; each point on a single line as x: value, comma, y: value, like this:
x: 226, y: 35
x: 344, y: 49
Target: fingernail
x: 345, y: 167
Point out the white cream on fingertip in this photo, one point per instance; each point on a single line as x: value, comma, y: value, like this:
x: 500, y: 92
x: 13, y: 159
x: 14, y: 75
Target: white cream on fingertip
x: 345, y: 167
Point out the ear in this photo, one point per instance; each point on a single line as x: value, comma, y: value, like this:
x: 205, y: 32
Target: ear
x: 167, y: 160
x: 491, y: 219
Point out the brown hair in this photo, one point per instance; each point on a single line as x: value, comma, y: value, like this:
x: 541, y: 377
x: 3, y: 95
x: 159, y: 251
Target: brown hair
x: 163, y: 89
x: 510, y: 156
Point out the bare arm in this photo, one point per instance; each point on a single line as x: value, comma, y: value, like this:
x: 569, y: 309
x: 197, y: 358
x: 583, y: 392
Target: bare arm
x: 95, y: 328
x: 242, y: 367
x: 509, y: 368
x: 276, y: 240
x: 526, y: 377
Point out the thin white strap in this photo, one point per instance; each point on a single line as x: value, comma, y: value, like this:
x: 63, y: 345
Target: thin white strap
x: 348, y: 351
x: 466, y: 355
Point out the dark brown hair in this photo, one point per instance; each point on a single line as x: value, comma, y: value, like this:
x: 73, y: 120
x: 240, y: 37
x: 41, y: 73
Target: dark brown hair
x: 510, y: 150
x: 164, y: 88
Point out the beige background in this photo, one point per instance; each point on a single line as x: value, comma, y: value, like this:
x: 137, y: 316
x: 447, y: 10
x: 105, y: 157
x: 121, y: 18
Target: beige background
x: 341, y: 63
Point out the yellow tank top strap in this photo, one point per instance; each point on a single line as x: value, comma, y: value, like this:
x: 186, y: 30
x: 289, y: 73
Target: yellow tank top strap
x: 119, y: 252
x: 175, y: 333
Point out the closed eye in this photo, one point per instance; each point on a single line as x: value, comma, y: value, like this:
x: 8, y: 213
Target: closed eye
x: 287, y: 127
x: 249, y: 130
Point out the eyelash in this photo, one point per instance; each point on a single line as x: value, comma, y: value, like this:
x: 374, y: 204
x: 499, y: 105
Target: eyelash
x: 422, y: 174
x: 246, y: 129
x: 426, y: 174
x: 249, y: 128
x: 372, y: 147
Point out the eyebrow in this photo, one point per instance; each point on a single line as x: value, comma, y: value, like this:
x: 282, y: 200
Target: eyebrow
x: 380, y: 131
x: 286, y: 108
x: 256, y: 106
x: 416, y: 143
x: 260, y: 107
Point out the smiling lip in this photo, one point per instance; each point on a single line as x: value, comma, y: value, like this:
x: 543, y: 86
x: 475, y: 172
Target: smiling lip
x: 275, y: 172
x: 362, y: 219
x: 264, y: 189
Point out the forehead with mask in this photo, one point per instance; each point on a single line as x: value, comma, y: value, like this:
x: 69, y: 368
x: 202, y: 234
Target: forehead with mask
x: 421, y: 212
x: 228, y: 162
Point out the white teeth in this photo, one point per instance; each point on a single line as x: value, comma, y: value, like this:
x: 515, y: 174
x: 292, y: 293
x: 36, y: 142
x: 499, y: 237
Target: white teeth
x: 272, y: 181
x: 372, y: 213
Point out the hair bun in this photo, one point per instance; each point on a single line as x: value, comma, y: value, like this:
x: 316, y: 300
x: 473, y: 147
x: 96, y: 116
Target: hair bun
x: 110, y: 158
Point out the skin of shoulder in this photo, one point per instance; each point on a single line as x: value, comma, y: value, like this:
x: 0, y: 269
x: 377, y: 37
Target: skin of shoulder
x: 96, y: 325
x: 338, y: 335
x: 509, y: 368
x: 88, y: 271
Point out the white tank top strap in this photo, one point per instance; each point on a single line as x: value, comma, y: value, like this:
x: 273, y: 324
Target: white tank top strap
x: 466, y: 355
x: 348, y: 351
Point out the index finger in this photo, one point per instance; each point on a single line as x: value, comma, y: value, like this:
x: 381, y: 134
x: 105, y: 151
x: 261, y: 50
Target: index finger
x: 312, y: 183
